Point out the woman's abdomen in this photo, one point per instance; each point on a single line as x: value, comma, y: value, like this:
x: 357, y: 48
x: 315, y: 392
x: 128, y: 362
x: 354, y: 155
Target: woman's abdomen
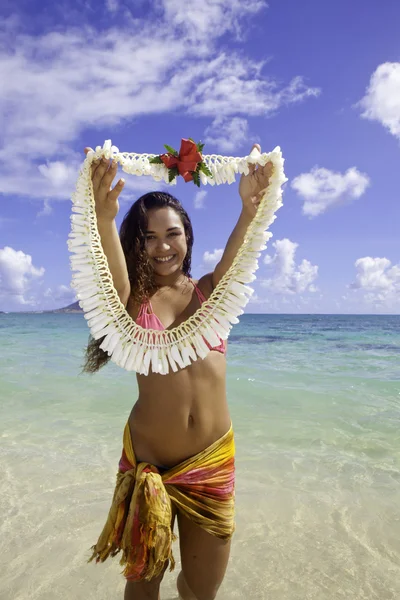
x: 178, y: 415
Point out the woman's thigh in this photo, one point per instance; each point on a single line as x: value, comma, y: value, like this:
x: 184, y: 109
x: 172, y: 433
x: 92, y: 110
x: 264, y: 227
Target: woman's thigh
x: 204, y: 558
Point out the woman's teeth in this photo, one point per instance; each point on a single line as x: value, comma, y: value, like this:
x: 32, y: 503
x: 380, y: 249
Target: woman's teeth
x: 165, y: 259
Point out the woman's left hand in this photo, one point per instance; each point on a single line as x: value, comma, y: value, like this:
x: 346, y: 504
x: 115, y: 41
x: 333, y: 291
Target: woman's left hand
x: 252, y: 186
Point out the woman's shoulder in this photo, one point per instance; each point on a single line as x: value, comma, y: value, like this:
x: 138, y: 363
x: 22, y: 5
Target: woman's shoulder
x: 133, y: 308
x: 205, y: 285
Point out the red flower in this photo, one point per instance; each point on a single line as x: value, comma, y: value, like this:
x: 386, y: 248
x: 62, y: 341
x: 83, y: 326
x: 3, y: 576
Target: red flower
x: 187, y: 161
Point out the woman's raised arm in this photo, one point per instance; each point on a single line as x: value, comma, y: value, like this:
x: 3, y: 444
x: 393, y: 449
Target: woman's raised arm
x: 251, y: 190
x: 107, y: 207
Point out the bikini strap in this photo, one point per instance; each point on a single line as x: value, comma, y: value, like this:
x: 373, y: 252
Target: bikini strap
x: 145, y: 308
x: 199, y: 293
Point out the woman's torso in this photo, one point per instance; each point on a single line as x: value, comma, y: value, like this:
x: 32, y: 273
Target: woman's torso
x: 179, y: 414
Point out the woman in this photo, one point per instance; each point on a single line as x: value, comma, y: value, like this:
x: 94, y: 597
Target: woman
x: 182, y: 417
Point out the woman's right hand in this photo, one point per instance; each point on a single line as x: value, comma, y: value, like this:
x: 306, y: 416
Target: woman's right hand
x: 106, y: 198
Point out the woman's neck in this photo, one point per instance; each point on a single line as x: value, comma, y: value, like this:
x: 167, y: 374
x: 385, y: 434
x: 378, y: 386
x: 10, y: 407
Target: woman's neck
x: 174, y: 280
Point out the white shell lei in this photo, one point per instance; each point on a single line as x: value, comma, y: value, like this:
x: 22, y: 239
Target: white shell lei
x: 131, y: 346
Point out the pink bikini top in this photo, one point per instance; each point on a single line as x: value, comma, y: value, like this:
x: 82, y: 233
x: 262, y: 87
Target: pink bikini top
x: 148, y: 320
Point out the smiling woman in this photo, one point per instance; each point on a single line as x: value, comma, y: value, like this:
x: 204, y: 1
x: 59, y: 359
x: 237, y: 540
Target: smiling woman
x: 125, y: 342
x: 148, y: 314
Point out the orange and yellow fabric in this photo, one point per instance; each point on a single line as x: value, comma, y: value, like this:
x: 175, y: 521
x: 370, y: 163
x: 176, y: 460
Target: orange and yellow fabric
x: 139, y: 521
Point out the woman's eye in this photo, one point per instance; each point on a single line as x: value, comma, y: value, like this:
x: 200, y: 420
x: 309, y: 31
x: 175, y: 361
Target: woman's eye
x: 172, y: 233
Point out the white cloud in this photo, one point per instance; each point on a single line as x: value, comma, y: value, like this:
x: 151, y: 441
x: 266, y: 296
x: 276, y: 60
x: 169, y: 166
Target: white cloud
x: 210, y: 18
x: 6, y: 220
x: 16, y: 275
x: 322, y: 188
x: 112, y: 5
x: 58, y: 173
x: 210, y: 259
x: 231, y: 85
x: 379, y: 281
x: 227, y: 134
x: 287, y: 277
x: 62, y: 295
x: 288, y: 304
x: 46, y: 210
x: 199, y: 199
x: 382, y: 99
x: 61, y: 83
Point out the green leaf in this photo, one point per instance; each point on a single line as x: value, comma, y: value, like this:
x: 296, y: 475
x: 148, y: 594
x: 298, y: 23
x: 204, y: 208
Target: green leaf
x: 205, y: 169
x: 172, y: 173
x: 156, y: 160
x: 171, y: 150
x: 196, y: 178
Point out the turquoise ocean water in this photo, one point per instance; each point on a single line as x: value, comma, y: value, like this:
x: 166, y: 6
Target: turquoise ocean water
x: 315, y: 401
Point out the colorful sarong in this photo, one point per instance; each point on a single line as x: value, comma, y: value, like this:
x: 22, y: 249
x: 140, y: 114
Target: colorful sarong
x: 139, y: 522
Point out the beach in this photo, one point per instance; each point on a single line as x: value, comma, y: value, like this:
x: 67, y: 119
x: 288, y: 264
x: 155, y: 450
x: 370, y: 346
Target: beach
x: 315, y: 404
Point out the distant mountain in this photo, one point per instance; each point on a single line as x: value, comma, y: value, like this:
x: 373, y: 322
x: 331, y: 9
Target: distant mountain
x: 71, y: 308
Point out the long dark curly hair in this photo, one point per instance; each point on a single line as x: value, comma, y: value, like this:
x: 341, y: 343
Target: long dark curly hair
x: 141, y: 276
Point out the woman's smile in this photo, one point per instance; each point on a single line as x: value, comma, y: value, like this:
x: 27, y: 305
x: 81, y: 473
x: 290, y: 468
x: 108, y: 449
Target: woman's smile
x: 165, y: 259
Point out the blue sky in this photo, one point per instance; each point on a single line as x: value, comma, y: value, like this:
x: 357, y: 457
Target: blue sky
x: 319, y: 79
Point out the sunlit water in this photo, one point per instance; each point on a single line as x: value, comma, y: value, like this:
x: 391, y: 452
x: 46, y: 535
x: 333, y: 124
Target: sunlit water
x: 315, y: 402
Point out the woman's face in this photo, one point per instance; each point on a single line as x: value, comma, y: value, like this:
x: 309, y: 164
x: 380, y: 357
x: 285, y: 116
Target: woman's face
x: 165, y: 241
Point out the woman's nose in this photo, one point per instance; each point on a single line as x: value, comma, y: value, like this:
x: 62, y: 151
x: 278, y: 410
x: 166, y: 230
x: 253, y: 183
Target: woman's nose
x: 163, y: 245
